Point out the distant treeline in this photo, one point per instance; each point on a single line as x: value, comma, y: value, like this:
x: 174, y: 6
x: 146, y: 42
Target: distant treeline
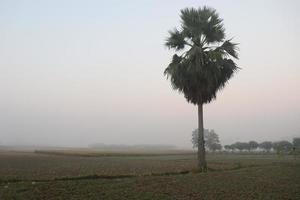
x: 212, y: 144
x: 267, y: 146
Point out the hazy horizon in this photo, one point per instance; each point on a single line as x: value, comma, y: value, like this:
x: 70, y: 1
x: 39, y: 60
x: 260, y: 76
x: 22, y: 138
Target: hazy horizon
x: 74, y: 73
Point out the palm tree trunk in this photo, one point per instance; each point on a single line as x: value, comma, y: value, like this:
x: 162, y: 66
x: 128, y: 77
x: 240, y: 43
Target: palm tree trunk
x: 201, y: 148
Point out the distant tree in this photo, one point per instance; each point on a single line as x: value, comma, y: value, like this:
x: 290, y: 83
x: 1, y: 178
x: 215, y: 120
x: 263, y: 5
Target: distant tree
x: 215, y: 146
x: 282, y: 146
x: 211, y: 139
x: 267, y: 146
x: 205, y: 64
x: 238, y: 146
x: 228, y: 148
x: 195, y: 137
x: 246, y: 146
x: 253, y: 145
x: 241, y: 146
x: 296, y: 143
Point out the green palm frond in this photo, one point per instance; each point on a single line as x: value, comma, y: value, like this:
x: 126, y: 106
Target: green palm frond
x: 176, y: 40
x: 202, y: 24
x: 206, y: 66
x: 230, y: 48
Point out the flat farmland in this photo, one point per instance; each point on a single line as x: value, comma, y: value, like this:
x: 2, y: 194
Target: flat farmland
x: 36, y: 166
x: 61, y: 175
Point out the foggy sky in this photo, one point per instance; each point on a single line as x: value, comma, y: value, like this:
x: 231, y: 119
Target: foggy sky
x: 80, y: 72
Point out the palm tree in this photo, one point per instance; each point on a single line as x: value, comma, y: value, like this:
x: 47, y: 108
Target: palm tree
x: 204, y: 64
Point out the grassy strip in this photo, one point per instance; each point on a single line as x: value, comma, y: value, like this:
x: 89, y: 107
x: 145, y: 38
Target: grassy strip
x: 111, y: 177
x: 108, y: 154
x: 95, y: 176
x: 120, y: 176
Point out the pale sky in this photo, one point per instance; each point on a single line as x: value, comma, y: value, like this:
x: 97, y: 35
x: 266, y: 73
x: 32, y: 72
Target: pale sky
x: 75, y: 73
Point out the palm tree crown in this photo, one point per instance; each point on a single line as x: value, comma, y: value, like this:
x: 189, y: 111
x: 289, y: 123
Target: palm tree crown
x: 205, y: 63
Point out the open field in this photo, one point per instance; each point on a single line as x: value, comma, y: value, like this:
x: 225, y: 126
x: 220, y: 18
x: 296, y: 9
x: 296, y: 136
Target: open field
x: 28, y: 175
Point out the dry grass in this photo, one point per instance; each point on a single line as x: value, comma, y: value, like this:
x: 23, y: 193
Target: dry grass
x: 147, y: 177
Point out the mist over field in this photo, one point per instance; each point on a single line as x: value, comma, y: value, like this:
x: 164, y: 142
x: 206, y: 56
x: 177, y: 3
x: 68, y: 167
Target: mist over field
x: 81, y: 73
x: 149, y: 100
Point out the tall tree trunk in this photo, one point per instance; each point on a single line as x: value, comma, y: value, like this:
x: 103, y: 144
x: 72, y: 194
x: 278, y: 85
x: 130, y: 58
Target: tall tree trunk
x: 201, y: 146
